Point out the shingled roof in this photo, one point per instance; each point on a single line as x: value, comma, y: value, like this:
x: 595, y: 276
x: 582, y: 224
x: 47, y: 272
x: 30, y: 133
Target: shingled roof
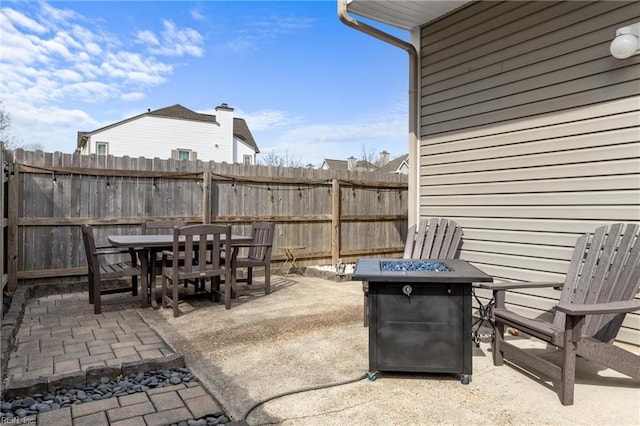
x: 344, y: 165
x: 178, y: 111
x: 393, y: 165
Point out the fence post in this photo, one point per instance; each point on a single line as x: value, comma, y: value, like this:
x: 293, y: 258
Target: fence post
x: 206, y: 197
x: 12, y: 232
x: 335, y: 221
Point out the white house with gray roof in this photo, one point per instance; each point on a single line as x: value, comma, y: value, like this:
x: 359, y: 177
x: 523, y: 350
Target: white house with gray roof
x: 175, y: 132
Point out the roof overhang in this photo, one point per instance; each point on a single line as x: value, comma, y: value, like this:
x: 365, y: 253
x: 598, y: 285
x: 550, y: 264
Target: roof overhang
x: 404, y: 14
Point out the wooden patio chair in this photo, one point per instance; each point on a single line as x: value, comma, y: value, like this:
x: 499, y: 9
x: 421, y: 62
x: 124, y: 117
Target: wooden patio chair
x: 258, y: 255
x: 200, y: 247
x: 599, y: 289
x: 434, y: 238
x: 99, y: 270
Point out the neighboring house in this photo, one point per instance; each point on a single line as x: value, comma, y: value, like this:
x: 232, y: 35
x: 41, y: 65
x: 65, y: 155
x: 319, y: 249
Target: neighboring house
x: 175, y: 132
x: 351, y: 164
x: 397, y: 165
x: 523, y: 128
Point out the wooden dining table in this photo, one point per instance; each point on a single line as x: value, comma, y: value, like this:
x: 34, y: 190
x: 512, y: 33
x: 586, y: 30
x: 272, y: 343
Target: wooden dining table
x: 148, y: 246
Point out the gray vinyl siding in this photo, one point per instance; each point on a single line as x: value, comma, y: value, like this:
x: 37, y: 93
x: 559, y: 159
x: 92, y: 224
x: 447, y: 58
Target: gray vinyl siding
x: 530, y: 135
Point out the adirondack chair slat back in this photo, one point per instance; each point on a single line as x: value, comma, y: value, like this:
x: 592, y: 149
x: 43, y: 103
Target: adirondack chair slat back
x: 605, y: 267
x: 436, y: 238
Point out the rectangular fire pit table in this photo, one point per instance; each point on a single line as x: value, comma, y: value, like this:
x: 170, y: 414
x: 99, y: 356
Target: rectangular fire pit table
x: 420, y: 314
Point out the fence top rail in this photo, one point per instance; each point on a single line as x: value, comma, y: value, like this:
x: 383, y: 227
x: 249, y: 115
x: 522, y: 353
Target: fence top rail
x: 27, y: 168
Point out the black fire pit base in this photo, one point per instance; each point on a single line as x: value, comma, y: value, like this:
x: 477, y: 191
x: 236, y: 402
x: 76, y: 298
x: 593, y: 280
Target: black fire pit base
x: 420, y: 315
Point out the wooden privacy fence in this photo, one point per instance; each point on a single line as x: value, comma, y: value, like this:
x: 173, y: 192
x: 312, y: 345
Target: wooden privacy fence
x: 4, y: 222
x: 332, y: 213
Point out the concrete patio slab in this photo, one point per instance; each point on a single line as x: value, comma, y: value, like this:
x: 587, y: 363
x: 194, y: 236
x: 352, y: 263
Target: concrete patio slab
x: 308, y: 332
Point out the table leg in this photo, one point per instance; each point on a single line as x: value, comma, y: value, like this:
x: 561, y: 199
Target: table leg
x: 293, y: 255
x: 152, y: 278
x: 286, y: 266
x: 144, y: 265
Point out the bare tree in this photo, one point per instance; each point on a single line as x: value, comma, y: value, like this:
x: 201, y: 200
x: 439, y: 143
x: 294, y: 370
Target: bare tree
x: 5, y: 123
x: 275, y: 159
x: 6, y: 137
x: 369, y: 155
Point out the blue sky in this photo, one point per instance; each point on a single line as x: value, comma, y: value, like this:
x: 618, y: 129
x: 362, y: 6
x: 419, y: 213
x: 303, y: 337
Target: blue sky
x: 307, y: 85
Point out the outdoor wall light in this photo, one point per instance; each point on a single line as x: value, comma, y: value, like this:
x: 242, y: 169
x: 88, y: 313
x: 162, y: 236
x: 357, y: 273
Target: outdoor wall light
x: 627, y: 42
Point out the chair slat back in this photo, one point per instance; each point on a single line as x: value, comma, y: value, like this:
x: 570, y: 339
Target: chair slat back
x: 262, y: 233
x: 90, y: 249
x: 202, y: 246
x: 435, y: 238
x: 160, y: 227
x: 605, y: 267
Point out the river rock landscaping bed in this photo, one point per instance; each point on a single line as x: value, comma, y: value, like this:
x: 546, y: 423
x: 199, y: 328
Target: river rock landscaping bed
x: 12, y: 410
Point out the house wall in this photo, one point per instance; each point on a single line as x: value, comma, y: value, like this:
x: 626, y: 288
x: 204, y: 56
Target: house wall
x: 150, y: 136
x: 240, y: 149
x: 530, y: 135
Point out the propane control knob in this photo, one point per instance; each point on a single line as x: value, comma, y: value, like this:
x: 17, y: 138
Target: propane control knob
x: 407, y: 289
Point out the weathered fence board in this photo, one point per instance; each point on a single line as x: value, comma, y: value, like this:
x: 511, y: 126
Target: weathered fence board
x: 55, y: 193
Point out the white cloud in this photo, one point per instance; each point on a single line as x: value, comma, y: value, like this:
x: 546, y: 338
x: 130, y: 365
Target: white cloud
x: 376, y: 130
x: 55, y: 62
x: 240, y: 45
x: 147, y: 37
x: 253, y: 31
x: 132, y: 96
x: 196, y: 14
x: 266, y: 119
x: 336, y: 141
x: 23, y: 21
x: 69, y: 75
x: 178, y: 42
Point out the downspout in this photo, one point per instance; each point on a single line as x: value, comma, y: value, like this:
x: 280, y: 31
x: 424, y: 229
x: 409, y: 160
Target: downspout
x: 414, y: 176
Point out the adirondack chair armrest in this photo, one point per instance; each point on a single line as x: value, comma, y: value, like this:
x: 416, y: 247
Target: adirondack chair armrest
x: 600, y: 308
x: 496, y: 286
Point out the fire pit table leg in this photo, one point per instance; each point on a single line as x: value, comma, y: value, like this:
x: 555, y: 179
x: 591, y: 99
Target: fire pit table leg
x: 485, y: 314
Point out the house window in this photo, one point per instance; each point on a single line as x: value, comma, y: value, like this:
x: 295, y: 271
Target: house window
x: 184, y: 154
x: 246, y: 159
x: 102, y: 148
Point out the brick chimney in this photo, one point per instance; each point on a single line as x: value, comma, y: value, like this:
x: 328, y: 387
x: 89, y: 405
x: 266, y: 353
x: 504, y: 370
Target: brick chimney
x: 384, y: 158
x: 351, y: 163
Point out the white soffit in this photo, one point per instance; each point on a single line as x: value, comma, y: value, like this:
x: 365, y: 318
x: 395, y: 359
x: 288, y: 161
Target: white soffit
x: 405, y: 14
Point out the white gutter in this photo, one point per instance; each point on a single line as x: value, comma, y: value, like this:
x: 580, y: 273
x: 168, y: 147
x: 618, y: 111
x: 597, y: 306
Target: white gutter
x: 414, y: 164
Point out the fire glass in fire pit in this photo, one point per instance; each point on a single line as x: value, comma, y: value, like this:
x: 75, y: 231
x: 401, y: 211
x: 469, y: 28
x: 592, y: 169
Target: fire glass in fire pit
x: 412, y: 266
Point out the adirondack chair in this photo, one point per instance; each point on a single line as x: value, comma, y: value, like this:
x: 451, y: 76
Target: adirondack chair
x: 599, y: 289
x: 435, y: 238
